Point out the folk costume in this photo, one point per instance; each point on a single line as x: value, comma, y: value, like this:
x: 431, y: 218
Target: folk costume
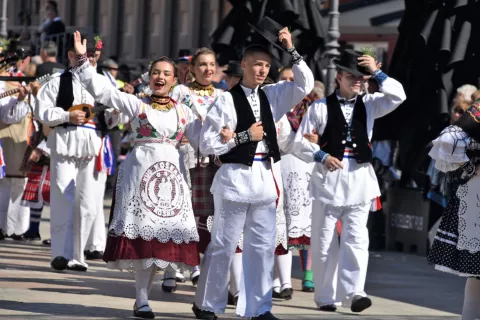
x: 456, y: 247
x: 97, y: 238
x: 153, y: 224
x: 245, y: 192
x: 296, y: 175
x: 77, y: 166
x: 37, y: 190
x: 198, y: 98
x: 345, y: 127
x: 15, y: 121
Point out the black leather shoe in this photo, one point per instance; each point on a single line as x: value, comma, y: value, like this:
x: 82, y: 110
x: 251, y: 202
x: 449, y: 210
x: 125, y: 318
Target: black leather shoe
x: 18, y: 237
x: 77, y: 267
x: 203, y: 314
x: 286, y: 294
x: 169, y: 289
x: 194, y: 277
x: 93, y: 255
x: 276, y: 295
x: 266, y: 316
x: 328, y: 308
x: 32, y: 236
x: 142, y: 314
x: 47, y: 242
x: 232, y: 300
x: 59, y: 263
x: 360, y: 303
x: 2, y: 235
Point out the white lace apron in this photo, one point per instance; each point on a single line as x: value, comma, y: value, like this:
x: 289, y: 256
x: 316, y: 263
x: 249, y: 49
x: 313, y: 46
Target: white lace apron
x: 152, y: 197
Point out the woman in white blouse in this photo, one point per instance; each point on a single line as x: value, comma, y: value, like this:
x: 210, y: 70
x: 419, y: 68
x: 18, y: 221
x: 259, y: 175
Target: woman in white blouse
x: 147, y: 232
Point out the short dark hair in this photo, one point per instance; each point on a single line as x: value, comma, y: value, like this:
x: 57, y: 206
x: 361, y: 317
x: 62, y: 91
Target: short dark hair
x: 163, y: 59
x: 50, y: 48
x: 53, y: 5
x: 255, y: 48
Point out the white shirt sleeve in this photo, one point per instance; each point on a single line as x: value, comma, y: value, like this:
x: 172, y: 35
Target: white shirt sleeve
x: 46, y: 110
x: 102, y: 91
x: 43, y: 147
x: 222, y: 113
x: 176, y: 94
x: 284, y: 95
x: 303, y: 148
x: 13, y: 111
x: 286, y: 136
x: 390, y: 97
x: 193, y: 128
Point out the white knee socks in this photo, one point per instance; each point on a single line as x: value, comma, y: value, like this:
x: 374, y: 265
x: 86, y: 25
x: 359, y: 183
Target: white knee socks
x: 235, y: 274
x: 283, y: 272
x: 171, y: 276
x: 471, y: 302
x: 143, y: 284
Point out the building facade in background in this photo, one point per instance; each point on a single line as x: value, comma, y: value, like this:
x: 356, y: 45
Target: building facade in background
x: 140, y: 30
x: 135, y: 30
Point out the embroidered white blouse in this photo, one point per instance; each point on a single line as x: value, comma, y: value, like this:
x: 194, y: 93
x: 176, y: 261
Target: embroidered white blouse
x: 238, y: 182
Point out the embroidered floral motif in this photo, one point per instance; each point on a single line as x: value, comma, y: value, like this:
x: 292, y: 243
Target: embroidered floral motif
x: 145, y: 129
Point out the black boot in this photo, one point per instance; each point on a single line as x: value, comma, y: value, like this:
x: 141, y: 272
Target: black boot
x: 203, y: 314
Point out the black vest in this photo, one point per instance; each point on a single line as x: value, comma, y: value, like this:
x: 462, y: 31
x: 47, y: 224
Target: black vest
x: 65, y: 91
x: 65, y: 99
x: 334, y: 138
x: 245, y: 153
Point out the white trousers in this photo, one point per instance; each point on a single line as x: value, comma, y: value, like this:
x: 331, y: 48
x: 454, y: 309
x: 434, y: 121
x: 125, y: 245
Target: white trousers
x: 73, y: 205
x: 235, y: 274
x: 258, y: 225
x: 14, y: 217
x: 339, y: 269
x: 98, y: 234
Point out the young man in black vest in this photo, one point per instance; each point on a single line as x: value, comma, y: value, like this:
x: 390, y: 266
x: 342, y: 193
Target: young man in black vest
x: 75, y: 177
x: 343, y: 181
x: 244, y: 188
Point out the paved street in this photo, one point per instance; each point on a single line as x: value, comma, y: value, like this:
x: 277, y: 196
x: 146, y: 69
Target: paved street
x: 401, y: 286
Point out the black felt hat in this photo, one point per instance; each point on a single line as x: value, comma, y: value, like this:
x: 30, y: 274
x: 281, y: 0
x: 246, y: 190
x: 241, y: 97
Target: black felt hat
x: 184, y: 55
x: 269, y: 29
x: 349, y: 62
x: 470, y: 121
x: 234, y: 69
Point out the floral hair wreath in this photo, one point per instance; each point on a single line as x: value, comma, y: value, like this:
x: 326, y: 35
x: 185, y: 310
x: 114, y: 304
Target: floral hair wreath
x: 98, y: 42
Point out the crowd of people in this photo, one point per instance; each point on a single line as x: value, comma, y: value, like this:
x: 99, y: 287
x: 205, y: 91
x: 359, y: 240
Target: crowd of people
x: 217, y: 173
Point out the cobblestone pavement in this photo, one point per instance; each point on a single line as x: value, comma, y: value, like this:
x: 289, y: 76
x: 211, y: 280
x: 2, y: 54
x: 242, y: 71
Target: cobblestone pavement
x: 401, y: 286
